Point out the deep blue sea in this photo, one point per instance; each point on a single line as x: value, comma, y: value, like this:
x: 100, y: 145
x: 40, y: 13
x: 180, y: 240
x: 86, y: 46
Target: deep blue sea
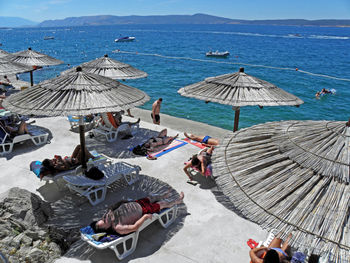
x: 320, y: 50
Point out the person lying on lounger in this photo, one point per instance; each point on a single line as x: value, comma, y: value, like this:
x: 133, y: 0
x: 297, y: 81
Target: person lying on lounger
x: 69, y: 162
x: 15, y: 129
x: 127, y: 216
x: 205, y: 140
x: 276, y: 252
x: 201, y: 162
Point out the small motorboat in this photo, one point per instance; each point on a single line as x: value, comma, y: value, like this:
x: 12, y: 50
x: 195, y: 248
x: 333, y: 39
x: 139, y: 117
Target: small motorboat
x: 217, y: 54
x: 124, y: 39
x: 49, y: 37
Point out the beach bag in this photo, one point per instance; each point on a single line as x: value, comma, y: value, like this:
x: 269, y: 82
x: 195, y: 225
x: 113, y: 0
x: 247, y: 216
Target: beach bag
x: 94, y: 173
x: 140, y: 150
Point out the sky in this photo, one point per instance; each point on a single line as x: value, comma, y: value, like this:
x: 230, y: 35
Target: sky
x: 40, y: 10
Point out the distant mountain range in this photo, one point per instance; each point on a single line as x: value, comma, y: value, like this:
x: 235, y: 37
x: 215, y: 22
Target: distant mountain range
x: 166, y: 19
x: 6, y: 21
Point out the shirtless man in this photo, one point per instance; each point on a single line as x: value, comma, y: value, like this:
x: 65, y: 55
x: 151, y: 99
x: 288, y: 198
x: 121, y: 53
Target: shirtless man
x: 155, y: 111
x: 128, y: 216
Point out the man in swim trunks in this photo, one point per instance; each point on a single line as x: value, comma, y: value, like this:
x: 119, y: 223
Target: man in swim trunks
x: 156, y: 110
x: 128, y: 216
x: 206, y: 140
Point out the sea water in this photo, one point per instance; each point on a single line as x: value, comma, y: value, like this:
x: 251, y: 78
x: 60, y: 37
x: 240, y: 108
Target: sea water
x: 319, y: 50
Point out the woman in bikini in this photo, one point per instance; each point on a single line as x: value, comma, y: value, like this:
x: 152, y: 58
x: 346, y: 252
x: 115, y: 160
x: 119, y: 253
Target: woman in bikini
x: 275, y: 252
x: 161, y: 139
x: 63, y: 164
x: 200, y: 162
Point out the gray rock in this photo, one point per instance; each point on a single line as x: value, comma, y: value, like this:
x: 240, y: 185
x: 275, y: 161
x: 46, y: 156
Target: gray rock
x: 53, y: 247
x: 37, y: 243
x: 32, y: 234
x: 37, y: 255
x: 4, y: 231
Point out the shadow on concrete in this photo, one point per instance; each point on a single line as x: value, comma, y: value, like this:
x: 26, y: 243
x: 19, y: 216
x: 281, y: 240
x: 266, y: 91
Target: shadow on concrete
x: 73, y: 212
x: 27, y: 146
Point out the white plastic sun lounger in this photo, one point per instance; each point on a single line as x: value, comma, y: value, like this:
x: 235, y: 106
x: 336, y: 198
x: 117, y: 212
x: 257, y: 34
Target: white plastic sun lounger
x: 99, y: 159
x: 269, y: 238
x: 38, y: 137
x: 104, y: 127
x: 95, y: 190
x: 125, y: 245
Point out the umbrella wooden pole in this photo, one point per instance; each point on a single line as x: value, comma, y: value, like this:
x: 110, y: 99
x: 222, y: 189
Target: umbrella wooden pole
x: 237, y: 111
x: 82, y: 143
x: 31, y: 78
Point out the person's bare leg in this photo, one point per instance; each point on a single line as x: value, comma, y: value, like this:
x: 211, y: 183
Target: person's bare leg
x: 194, y: 137
x: 166, y: 140
x: 76, y: 152
x: 164, y: 204
x: 129, y: 113
x: 286, y: 243
x: 22, y: 129
x: 213, y: 141
x: 276, y: 242
x: 162, y: 133
x: 157, y: 198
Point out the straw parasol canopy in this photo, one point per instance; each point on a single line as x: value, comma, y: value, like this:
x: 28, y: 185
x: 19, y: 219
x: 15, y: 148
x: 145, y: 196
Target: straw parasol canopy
x: 239, y: 89
x: 292, y: 176
x: 110, y: 68
x: 78, y: 93
x: 34, y: 59
x: 8, y: 67
x: 4, y: 53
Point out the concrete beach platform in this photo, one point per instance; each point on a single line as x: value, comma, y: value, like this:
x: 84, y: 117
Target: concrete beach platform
x: 207, y: 229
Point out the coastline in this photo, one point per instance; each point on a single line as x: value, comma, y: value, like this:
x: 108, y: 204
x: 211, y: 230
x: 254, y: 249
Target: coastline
x: 207, y: 228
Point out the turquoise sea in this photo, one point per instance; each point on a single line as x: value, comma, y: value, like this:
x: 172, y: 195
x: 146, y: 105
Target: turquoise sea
x: 320, y: 50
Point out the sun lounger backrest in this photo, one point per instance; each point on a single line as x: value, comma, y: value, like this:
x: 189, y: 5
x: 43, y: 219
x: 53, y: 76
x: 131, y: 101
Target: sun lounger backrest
x: 3, y: 135
x: 108, y: 119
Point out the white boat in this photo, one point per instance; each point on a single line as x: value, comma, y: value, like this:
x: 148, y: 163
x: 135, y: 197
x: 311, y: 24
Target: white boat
x: 124, y: 39
x: 49, y: 37
x: 217, y: 54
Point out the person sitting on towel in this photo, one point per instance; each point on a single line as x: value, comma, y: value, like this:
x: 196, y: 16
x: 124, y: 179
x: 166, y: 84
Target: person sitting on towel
x: 63, y: 164
x: 127, y: 216
x: 161, y: 139
x: 276, y: 252
x: 205, y: 140
x: 201, y: 162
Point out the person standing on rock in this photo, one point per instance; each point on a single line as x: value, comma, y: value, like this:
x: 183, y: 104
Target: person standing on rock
x: 156, y: 110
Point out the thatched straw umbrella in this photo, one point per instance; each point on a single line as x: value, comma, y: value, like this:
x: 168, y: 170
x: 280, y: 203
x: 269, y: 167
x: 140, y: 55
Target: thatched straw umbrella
x: 292, y: 175
x: 239, y: 89
x: 34, y: 59
x: 78, y: 93
x: 4, y: 53
x: 8, y: 67
x: 110, y: 68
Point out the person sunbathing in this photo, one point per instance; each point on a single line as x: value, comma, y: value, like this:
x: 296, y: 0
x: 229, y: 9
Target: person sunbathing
x: 201, y: 162
x: 162, y: 139
x: 274, y: 253
x: 116, y: 119
x: 205, y: 140
x: 15, y: 129
x: 69, y: 162
x: 128, y: 216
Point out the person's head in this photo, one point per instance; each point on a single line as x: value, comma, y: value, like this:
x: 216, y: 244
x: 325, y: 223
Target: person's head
x: 99, y: 226
x: 324, y: 89
x: 160, y: 100
x: 195, y: 161
x: 271, y: 257
x: 48, y: 164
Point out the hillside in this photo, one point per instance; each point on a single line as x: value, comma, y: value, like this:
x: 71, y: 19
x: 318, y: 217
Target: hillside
x: 6, y: 21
